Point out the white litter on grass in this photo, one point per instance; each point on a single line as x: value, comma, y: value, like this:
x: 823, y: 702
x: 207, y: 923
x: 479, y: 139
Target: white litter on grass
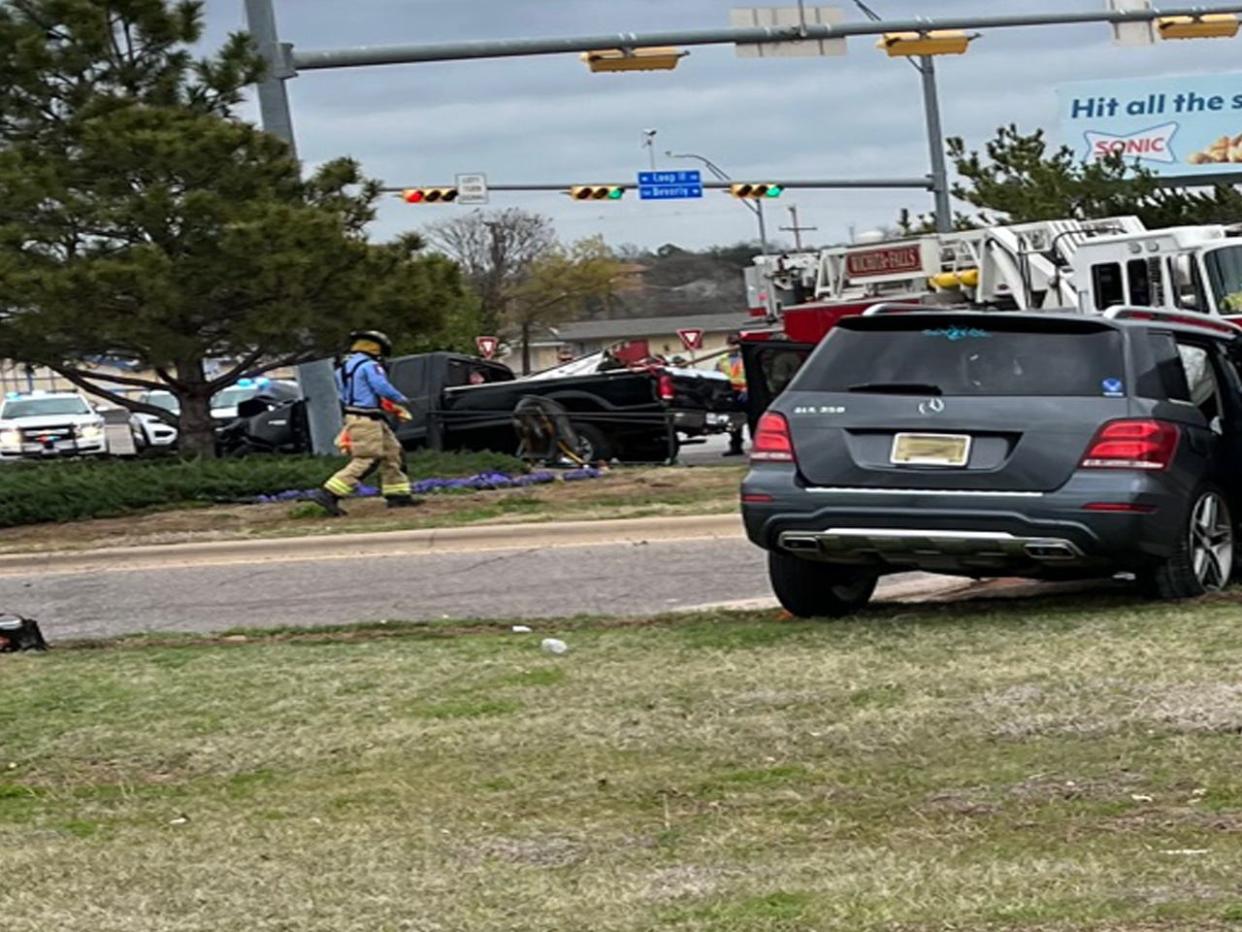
x: 553, y: 646
x: 520, y: 629
x: 1190, y: 851
x: 1140, y: 798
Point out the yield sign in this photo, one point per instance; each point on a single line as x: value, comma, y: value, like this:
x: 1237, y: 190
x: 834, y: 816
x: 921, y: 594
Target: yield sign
x: 487, y: 346
x: 691, y: 338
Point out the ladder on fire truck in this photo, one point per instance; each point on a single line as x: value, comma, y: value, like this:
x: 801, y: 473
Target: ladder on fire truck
x: 1021, y: 266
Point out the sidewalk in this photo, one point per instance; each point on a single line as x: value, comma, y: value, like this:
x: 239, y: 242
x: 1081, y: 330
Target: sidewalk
x: 434, y: 540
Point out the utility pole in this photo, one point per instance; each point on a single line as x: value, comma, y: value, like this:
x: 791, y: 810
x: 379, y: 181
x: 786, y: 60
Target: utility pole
x: 926, y: 67
x: 935, y: 142
x: 795, y: 229
x: 315, y: 378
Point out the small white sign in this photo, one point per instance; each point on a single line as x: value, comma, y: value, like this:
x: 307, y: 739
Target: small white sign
x: 785, y: 16
x: 472, y: 189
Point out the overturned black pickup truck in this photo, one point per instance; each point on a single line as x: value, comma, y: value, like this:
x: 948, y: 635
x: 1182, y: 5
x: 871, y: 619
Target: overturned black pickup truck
x: 632, y: 413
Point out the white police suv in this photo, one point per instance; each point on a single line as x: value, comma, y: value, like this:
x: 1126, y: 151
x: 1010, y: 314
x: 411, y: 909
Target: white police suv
x: 37, y: 425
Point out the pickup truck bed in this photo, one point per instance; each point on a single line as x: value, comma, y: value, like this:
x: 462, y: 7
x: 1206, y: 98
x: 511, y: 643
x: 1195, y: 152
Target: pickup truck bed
x: 631, y: 413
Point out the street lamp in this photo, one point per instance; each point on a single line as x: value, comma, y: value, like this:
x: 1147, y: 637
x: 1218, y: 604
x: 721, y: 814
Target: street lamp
x: 925, y: 65
x: 754, y: 206
x: 649, y: 136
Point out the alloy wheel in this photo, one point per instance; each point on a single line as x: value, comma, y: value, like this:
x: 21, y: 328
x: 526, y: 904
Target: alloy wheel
x: 1211, y: 542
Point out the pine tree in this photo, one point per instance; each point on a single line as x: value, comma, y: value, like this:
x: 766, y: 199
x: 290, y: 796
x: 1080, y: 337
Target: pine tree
x: 1021, y: 177
x: 140, y: 218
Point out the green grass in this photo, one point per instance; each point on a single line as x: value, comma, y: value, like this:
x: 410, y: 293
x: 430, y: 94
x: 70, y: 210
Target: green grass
x: 1061, y: 765
x: 31, y: 493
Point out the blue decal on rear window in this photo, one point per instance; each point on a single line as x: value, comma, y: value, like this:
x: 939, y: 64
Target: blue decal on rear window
x: 957, y: 333
x: 1113, y: 388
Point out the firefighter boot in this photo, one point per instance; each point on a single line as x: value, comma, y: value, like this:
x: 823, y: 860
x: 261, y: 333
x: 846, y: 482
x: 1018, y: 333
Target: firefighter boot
x: 328, y: 502
x: 402, y: 501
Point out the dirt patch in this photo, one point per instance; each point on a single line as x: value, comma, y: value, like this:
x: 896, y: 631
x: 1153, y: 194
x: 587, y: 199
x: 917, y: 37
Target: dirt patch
x: 622, y: 493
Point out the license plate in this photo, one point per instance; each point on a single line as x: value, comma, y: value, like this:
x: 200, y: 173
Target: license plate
x: 931, y: 450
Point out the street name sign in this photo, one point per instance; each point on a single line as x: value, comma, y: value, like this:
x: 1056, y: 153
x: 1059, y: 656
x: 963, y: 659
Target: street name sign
x: 785, y: 17
x: 669, y: 186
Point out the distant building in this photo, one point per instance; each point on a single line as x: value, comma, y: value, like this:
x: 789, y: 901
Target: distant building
x: 591, y: 336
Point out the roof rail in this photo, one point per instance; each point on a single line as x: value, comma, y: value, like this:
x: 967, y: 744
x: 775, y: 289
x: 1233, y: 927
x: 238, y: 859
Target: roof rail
x: 1181, y: 319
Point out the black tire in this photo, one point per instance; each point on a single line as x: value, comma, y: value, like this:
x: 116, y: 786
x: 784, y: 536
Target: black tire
x: 593, y: 444
x: 810, y: 589
x: 1204, y: 558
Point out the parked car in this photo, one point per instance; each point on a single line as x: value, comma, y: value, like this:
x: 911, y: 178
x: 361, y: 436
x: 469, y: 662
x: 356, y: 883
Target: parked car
x: 151, y: 431
x: 1049, y: 446
x: 627, y: 413
x: 41, y: 425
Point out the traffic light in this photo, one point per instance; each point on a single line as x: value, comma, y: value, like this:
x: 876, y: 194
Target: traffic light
x: 1204, y: 26
x: 645, y: 59
x: 597, y: 192
x: 753, y: 190
x: 429, y: 195
x: 935, y: 42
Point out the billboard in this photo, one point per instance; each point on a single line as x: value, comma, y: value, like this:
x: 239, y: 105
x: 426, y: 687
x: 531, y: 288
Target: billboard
x: 1172, y: 125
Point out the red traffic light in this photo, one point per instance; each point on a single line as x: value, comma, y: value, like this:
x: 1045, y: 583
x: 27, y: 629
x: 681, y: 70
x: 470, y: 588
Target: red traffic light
x: 412, y: 196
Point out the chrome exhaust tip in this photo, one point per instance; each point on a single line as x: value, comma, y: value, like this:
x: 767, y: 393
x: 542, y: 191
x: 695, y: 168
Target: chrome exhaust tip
x: 799, y: 543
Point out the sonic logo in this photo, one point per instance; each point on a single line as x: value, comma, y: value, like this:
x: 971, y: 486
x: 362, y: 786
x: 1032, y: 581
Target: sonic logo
x: 1148, y: 145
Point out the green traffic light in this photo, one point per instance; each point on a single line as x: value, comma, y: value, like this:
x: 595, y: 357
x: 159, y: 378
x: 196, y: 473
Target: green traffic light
x: 615, y: 194
x: 774, y: 190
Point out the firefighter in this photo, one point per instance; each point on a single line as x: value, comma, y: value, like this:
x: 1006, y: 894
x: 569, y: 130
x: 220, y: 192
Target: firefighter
x: 366, y: 394
x: 731, y: 365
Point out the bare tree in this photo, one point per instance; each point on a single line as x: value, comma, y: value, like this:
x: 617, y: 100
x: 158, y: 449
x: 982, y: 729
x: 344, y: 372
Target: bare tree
x: 560, y: 284
x: 496, y: 251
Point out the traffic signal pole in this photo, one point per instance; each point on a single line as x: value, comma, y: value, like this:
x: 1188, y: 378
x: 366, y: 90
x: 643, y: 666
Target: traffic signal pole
x: 510, y: 48
x: 316, y: 379
x: 285, y: 62
x: 935, y: 142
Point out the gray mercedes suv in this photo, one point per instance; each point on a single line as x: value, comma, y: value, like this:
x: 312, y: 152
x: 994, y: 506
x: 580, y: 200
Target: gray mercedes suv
x: 1050, y: 446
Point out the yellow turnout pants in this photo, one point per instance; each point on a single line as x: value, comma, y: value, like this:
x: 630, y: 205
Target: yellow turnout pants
x: 370, y: 443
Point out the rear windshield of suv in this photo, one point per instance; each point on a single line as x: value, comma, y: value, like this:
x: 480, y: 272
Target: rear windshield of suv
x: 987, y: 358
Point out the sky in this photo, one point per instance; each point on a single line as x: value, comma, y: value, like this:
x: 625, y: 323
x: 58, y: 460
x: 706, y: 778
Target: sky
x: 548, y: 119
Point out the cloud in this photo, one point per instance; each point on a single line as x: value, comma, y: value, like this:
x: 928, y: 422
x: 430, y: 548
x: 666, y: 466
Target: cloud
x: 547, y: 119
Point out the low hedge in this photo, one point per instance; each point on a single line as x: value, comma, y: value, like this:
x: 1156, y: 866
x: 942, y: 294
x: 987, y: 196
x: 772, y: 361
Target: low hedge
x: 68, y: 490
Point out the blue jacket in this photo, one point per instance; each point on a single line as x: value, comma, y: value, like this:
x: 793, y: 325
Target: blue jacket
x: 361, y: 383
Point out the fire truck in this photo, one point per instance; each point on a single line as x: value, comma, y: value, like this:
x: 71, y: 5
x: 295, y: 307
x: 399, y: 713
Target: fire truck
x: 1088, y: 265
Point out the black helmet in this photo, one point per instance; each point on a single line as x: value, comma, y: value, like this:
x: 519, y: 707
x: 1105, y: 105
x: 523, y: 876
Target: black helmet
x: 375, y: 342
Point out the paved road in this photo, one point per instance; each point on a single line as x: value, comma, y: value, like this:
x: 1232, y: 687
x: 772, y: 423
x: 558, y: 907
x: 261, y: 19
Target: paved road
x: 628, y: 578
x: 711, y: 453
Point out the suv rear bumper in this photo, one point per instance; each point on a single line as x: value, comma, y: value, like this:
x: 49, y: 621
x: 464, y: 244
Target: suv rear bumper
x: 900, y: 545
x: 987, y: 533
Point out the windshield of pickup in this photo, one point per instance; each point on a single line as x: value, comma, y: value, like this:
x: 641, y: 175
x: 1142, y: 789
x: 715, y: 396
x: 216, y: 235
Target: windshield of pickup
x: 981, y: 357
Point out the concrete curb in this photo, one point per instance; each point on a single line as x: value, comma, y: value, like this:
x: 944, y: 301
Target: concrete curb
x: 381, y: 544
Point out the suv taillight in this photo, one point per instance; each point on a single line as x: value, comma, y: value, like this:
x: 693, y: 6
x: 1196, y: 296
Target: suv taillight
x: 667, y: 390
x: 1132, y: 445
x: 772, y: 443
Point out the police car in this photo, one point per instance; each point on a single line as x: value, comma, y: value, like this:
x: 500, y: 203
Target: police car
x: 36, y: 425
x: 151, y: 431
